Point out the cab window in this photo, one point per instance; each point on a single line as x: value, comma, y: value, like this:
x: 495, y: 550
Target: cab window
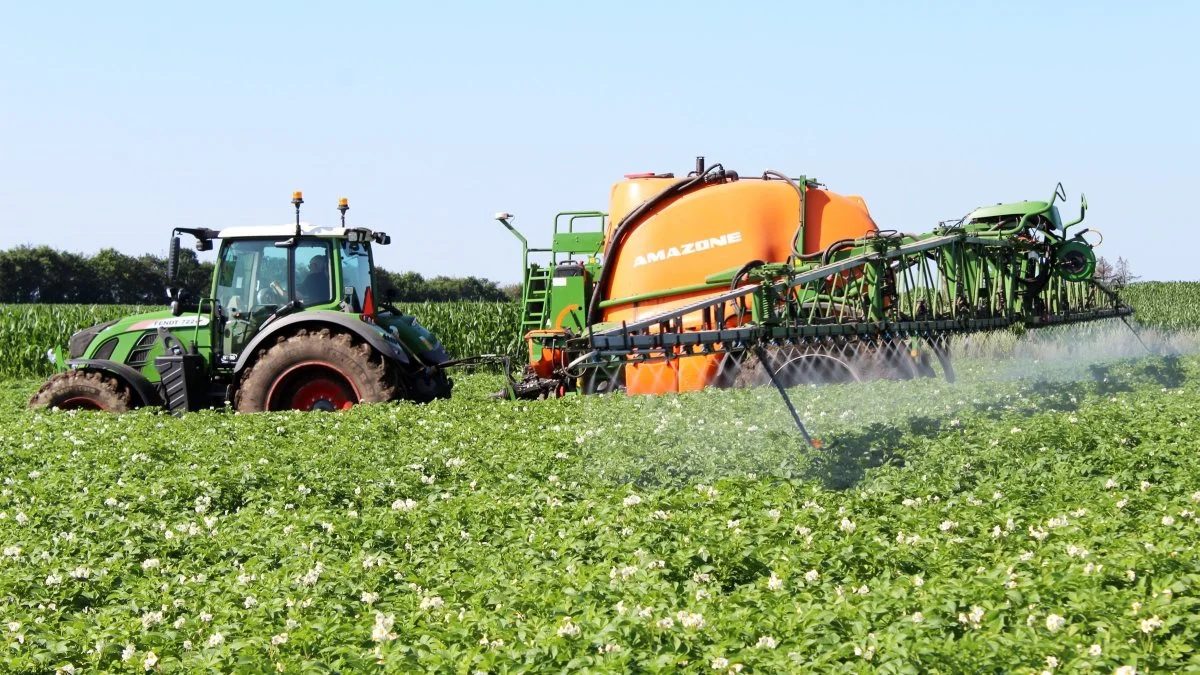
x: 252, y: 276
x: 314, y: 280
x: 356, y: 272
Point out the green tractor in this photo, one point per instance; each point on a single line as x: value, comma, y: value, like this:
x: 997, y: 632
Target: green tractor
x: 291, y: 323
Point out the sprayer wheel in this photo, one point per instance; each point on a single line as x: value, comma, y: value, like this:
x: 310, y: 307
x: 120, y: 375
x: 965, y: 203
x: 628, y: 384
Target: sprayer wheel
x: 83, y: 390
x: 319, y: 370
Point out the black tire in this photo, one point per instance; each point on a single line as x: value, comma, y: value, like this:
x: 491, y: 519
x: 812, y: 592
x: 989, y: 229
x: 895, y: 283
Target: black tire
x: 84, y: 390
x: 320, y: 370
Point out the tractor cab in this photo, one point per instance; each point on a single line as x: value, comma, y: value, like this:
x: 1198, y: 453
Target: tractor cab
x: 262, y: 275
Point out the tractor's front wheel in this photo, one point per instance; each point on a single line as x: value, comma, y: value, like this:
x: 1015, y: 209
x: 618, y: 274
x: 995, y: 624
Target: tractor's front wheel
x: 320, y: 370
x: 83, y: 390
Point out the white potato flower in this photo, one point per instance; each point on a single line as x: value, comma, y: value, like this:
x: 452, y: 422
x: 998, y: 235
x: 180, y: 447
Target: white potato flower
x: 766, y: 642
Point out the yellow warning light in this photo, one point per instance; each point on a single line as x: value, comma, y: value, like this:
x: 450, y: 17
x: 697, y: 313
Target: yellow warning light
x: 297, y: 195
x: 343, y: 202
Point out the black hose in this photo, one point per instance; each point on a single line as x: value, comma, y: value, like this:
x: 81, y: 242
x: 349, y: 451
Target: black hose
x: 743, y: 271
x: 834, y: 248
x: 714, y: 174
x: 796, y: 252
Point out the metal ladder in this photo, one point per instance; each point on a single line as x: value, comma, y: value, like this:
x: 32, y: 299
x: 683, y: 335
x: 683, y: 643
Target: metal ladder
x: 537, y: 293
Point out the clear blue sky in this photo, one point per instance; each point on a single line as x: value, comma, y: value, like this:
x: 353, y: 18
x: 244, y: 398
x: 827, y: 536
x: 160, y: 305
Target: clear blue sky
x: 121, y: 120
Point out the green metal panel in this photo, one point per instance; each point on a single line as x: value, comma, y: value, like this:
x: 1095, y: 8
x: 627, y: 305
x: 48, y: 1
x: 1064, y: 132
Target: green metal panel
x: 1001, y: 210
x: 578, y: 242
x: 1015, y: 210
x: 568, y: 302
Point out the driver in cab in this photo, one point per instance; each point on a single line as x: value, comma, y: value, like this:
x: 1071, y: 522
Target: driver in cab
x: 314, y: 289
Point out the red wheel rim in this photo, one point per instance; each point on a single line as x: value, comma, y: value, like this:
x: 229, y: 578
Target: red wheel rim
x: 312, y: 385
x: 81, y: 403
x: 321, y: 393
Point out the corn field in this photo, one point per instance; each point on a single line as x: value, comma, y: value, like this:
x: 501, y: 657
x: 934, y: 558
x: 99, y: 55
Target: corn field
x: 469, y: 328
x: 27, y: 331
x: 1170, y: 305
x: 465, y: 328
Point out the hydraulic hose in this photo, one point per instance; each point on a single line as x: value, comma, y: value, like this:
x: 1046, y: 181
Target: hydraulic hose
x: 714, y: 174
x: 745, y: 269
x: 834, y: 248
x: 797, y: 240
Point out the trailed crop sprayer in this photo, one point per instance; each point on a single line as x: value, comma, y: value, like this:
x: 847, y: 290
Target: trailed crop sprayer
x: 718, y: 279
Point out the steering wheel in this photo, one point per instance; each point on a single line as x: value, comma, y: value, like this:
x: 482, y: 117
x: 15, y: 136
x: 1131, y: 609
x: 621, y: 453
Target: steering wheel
x: 271, y: 294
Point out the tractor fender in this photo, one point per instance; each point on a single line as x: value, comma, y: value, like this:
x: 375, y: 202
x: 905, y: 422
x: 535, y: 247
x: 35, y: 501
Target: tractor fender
x: 142, y: 387
x: 371, y: 333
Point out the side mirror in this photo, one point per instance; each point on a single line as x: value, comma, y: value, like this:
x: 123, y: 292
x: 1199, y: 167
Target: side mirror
x: 173, y: 261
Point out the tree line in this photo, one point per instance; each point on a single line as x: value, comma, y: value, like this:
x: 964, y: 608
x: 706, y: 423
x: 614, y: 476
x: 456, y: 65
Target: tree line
x: 43, y: 274
x: 1116, y: 275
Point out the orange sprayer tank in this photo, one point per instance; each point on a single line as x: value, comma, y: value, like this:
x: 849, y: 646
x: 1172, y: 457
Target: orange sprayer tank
x: 710, y: 230
x: 713, y: 229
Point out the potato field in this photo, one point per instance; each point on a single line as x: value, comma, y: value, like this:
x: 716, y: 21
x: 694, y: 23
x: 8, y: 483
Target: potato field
x: 1037, y: 515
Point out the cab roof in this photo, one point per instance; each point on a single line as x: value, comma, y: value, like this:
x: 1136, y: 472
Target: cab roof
x: 287, y: 230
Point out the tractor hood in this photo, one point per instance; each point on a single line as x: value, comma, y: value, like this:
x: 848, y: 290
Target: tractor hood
x: 160, y: 319
x: 130, y: 340
x: 80, y: 340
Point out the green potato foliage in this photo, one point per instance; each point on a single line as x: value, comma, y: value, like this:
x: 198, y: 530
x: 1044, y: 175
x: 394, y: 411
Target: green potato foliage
x: 1018, y: 520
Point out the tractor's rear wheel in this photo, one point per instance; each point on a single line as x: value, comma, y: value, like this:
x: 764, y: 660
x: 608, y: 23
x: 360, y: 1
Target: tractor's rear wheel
x: 320, y: 370
x: 83, y: 390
